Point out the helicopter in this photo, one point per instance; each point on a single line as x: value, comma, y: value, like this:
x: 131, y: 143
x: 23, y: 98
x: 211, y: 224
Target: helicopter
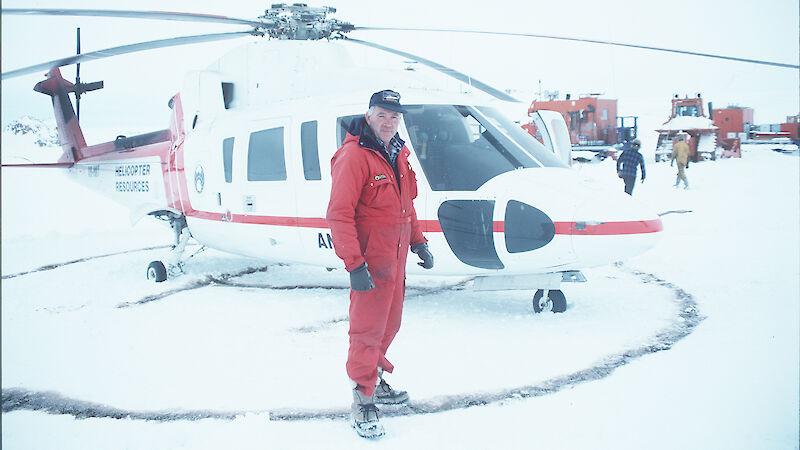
x: 244, y: 164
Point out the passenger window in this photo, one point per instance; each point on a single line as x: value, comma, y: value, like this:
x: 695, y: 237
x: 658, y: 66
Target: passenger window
x: 342, y: 126
x: 308, y: 142
x: 227, y: 158
x: 265, y: 159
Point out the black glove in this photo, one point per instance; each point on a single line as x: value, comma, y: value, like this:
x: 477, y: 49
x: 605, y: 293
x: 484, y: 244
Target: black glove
x: 424, y: 254
x: 642, y: 179
x: 687, y: 164
x: 360, y: 279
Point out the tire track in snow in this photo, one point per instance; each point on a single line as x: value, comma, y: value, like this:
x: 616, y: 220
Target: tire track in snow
x: 208, y: 280
x: 54, y: 403
x: 79, y: 260
x: 683, y: 324
x: 225, y: 280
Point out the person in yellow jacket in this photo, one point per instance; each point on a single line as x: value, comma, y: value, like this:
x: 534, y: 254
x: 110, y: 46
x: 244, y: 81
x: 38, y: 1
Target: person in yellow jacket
x: 680, y: 152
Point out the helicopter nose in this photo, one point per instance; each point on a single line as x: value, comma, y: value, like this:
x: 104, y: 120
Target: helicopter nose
x: 605, y: 232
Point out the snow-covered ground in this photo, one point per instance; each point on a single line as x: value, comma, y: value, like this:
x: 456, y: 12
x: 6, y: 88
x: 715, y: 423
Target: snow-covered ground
x: 694, y: 344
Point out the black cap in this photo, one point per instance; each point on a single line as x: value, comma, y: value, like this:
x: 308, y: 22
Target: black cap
x: 387, y: 99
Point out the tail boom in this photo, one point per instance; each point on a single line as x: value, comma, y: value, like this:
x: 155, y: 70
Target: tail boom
x: 69, y: 130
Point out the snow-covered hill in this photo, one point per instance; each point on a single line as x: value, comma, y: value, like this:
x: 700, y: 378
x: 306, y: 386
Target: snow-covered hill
x: 28, y: 139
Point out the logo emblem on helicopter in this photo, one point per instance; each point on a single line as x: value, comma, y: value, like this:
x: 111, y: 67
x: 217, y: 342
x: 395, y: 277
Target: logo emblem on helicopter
x: 199, y: 179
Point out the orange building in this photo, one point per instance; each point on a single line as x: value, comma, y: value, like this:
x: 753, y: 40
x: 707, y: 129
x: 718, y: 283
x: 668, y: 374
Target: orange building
x: 590, y: 120
x: 733, y: 122
x: 792, y: 126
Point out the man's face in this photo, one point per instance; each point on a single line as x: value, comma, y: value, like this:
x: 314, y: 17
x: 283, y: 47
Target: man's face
x: 384, y: 123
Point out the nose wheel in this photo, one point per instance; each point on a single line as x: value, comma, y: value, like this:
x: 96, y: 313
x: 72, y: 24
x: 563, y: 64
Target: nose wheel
x: 549, y: 300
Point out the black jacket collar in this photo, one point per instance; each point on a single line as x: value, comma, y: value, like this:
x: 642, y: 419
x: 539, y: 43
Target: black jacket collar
x: 367, y: 138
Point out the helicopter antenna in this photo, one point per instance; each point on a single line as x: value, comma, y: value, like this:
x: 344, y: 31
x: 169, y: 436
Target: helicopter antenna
x: 81, y: 88
x: 78, y: 78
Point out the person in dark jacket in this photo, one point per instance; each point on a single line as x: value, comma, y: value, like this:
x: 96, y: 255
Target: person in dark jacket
x: 628, y: 162
x: 373, y: 223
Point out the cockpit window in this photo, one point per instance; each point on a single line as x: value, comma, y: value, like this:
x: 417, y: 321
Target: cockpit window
x: 461, y: 147
x: 687, y: 111
x: 342, y: 125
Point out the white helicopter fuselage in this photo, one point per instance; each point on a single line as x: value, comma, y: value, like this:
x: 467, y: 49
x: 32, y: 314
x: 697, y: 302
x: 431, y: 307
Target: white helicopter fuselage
x: 249, y: 169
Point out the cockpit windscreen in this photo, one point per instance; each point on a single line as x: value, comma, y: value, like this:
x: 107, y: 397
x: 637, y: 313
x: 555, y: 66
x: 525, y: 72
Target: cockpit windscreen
x: 462, y: 147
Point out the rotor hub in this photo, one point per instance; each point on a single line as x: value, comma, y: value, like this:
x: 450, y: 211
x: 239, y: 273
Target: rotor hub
x: 301, y: 22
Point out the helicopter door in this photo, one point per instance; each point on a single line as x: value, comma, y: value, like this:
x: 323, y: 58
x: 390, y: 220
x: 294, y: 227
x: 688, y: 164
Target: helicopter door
x: 555, y: 134
x: 266, y: 197
x: 314, y: 148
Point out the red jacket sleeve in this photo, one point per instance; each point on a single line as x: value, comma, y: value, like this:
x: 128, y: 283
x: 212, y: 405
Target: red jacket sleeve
x: 348, y: 175
x: 416, y: 229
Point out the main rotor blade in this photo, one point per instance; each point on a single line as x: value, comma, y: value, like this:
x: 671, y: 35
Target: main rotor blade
x: 444, y: 69
x: 155, y: 15
x: 593, y: 41
x: 130, y: 48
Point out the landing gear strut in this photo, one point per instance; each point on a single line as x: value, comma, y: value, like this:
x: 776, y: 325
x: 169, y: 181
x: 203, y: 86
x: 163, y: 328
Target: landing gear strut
x: 548, y: 296
x: 157, y: 270
x: 549, y: 300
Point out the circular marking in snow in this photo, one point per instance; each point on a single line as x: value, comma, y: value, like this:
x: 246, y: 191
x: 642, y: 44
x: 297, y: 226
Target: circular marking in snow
x: 681, y: 325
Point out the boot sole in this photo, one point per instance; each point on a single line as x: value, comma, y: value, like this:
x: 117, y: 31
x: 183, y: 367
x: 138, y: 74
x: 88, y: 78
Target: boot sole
x: 374, y: 433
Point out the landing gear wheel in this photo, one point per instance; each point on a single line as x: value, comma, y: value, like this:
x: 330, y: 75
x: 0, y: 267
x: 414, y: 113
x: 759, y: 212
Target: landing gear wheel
x: 555, y: 301
x: 156, y: 271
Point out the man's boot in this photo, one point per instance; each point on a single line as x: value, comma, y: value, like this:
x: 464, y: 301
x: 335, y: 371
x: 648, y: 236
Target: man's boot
x: 364, y: 416
x: 385, y: 395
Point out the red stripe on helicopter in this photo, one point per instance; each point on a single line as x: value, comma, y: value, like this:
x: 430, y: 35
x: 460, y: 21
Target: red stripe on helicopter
x: 610, y: 228
x: 281, y: 221
x: 433, y: 226
x: 571, y: 228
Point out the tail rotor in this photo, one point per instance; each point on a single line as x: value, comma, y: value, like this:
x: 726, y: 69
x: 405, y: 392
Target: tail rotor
x: 81, y: 88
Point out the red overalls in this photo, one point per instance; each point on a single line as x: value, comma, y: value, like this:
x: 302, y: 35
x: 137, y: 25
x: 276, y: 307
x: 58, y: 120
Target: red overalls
x: 373, y: 219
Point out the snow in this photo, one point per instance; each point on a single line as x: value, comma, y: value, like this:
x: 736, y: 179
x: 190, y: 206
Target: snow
x: 29, y: 132
x: 688, y: 123
x: 691, y: 345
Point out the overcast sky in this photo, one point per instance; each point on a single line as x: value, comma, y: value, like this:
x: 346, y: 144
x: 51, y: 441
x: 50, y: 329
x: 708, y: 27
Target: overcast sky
x: 138, y: 86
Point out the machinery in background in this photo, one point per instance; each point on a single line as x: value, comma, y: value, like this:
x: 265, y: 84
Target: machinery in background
x: 732, y: 124
x: 688, y: 119
x: 595, y: 130
x: 627, y: 130
x: 723, y: 132
x: 780, y: 137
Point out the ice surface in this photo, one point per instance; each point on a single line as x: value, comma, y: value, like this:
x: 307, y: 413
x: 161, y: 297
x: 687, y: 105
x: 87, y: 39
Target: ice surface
x: 271, y: 345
